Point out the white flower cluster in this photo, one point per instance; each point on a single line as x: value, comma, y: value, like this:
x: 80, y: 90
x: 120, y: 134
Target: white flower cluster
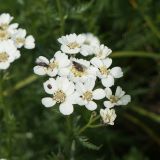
x: 11, y: 39
x: 81, y: 74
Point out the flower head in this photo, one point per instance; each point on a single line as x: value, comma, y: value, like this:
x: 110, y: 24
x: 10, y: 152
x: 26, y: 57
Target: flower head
x: 118, y: 99
x: 11, y: 39
x: 108, y: 116
x: 89, y: 44
x: 102, y: 51
x: 104, y: 73
x: 6, y: 29
x: 5, y: 20
x: 20, y: 39
x: 57, y: 65
x: 87, y: 94
x: 8, y: 53
x: 63, y: 93
x: 71, y: 43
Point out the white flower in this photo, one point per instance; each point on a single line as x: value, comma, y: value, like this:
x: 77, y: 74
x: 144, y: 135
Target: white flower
x: 8, y: 53
x: 90, y: 39
x: 81, y: 70
x: 5, y: 19
x: 71, y: 43
x: 12, y: 28
x: 102, y: 51
x: 57, y: 65
x: 108, y: 116
x: 86, y: 94
x: 118, y: 99
x: 89, y: 44
x: 6, y: 29
x: 104, y: 73
x: 29, y: 42
x: 20, y: 39
x: 63, y: 93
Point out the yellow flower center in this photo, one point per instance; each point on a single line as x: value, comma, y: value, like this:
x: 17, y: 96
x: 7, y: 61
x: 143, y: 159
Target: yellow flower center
x: 3, y: 26
x: 104, y: 70
x: 20, y: 40
x: 3, y: 35
x: 3, y: 57
x: 87, y: 96
x: 59, y: 96
x: 53, y: 65
x: 113, y: 99
x: 73, y: 45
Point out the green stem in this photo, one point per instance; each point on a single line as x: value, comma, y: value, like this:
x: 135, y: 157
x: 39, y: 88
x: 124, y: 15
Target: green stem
x: 89, y: 124
x: 146, y: 113
x: 60, y: 16
x: 141, y: 54
x: 96, y: 126
x: 21, y: 84
x: 7, y: 118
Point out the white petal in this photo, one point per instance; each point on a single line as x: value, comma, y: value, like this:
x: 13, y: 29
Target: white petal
x: 80, y: 88
x: 98, y: 94
x: 125, y: 100
x: 62, y: 59
x: 63, y: 71
x: 66, y: 49
x: 107, y: 62
x: 89, y: 84
x: 73, y: 99
x: 48, y: 102
x: 91, y: 106
x: 108, y: 104
x: 66, y: 108
x: 108, y: 82
x: 50, y: 86
x: 96, y: 62
x: 39, y: 70
x: 70, y: 89
x: 4, y: 65
x: 64, y: 84
x: 92, y: 71
x: 86, y: 50
x: 116, y: 72
x: 119, y: 92
x: 52, y: 72
x: 42, y: 59
x: 80, y: 101
x: 29, y: 42
x: 108, y: 92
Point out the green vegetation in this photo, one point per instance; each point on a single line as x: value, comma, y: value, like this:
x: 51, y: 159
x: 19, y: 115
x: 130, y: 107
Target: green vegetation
x: 131, y: 28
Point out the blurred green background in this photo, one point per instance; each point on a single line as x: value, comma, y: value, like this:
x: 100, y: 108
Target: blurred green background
x: 131, y: 28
